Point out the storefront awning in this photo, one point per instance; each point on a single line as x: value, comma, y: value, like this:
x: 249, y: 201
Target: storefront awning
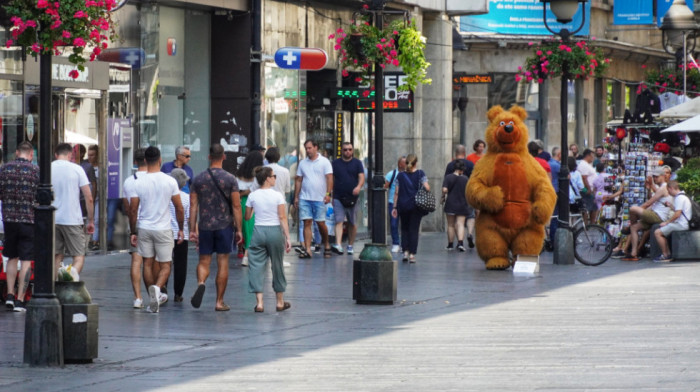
x: 690, y: 125
x: 76, y: 138
x: 684, y: 110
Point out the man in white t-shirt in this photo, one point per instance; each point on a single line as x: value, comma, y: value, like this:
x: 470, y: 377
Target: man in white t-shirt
x: 282, y: 183
x: 154, y: 238
x: 678, y: 221
x: 313, y: 187
x: 588, y: 174
x: 69, y: 181
x: 136, y: 259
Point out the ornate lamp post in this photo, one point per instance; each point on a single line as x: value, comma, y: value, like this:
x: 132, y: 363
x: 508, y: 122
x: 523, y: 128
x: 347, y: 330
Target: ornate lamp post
x: 679, y: 24
x: 564, y: 10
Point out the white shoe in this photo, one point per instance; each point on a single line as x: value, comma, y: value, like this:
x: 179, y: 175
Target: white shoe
x: 138, y: 303
x: 154, y: 294
x: 162, y: 298
x: 244, y: 261
x: 286, y: 264
x: 349, y: 250
x: 395, y: 249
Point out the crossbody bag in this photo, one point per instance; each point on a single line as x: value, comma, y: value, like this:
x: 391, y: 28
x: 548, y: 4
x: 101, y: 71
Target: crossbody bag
x: 216, y: 184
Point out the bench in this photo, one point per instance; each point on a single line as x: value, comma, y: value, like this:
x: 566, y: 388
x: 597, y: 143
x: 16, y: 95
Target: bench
x: 685, y: 245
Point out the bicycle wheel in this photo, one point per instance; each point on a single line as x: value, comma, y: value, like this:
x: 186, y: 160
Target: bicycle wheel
x: 592, y: 245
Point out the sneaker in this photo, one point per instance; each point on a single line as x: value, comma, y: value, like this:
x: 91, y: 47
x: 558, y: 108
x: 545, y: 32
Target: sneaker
x: 244, y: 262
x: 449, y: 247
x: 10, y: 301
x: 470, y: 242
x: 618, y: 255
x: 663, y: 259
x: 350, y: 250
x: 395, y: 249
x: 405, y: 256
x: 162, y: 298
x: 19, y: 306
x: 138, y: 303
x: 154, y: 294
x: 286, y: 264
x: 412, y: 259
x: 317, y: 248
x: 461, y: 248
x: 164, y: 290
x: 337, y: 249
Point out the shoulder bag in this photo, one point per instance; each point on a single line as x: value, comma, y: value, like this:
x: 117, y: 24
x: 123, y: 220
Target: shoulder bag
x: 425, y: 200
x: 216, y: 184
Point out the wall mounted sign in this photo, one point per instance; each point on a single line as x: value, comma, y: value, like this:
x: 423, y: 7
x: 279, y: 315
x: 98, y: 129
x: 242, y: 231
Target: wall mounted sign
x: 310, y: 59
x: 363, y: 97
x: 462, y: 78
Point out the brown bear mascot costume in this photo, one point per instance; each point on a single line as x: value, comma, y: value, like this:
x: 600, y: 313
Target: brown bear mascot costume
x: 512, y: 191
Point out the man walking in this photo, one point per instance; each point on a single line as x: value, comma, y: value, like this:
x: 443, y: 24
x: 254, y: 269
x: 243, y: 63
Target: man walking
x: 18, y: 183
x: 136, y: 259
x: 390, y: 182
x: 153, y: 193
x: 182, y: 158
x: 282, y: 182
x: 312, y: 191
x: 69, y: 180
x: 588, y: 174
x: 348, y: 179
x: 215, y: 199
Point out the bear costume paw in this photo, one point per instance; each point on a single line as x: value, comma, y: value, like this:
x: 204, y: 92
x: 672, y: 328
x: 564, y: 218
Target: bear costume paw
x: 497, y: 263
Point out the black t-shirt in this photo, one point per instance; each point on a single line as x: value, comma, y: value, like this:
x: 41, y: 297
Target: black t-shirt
x: 346, y: 176
x: 468, y: 167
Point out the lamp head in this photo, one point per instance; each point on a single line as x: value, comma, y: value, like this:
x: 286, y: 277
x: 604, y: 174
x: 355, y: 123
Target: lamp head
x: 564, y: 10
x: 678, y: 21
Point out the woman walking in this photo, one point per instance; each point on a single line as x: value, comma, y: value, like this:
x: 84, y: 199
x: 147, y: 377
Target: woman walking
x: 270, y: 238
x: 246, y: 184
x: 408, y: 184
x: 479, y: 147
x: 456, y: 207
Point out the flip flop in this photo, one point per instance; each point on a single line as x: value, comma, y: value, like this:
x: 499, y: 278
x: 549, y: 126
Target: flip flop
x: 286, y: 306
x: 224, y: 308
x: 196, y: 300
x: 327, y: 253
x: 258, y: 310
x: 303, y: 254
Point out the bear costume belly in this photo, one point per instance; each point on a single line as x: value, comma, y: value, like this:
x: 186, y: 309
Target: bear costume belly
x: 509, y: 175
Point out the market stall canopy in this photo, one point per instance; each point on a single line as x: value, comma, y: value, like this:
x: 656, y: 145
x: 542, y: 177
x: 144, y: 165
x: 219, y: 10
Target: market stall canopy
x: 76, y: 138
x: 685, y: 110
x: 689, y: 125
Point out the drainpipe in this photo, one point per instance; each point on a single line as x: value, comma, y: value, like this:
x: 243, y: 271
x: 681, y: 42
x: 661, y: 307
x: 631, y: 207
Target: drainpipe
x: 255, y: 70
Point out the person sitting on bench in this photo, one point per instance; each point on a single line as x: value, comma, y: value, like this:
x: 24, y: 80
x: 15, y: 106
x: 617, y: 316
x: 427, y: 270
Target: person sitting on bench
x: 678, y: 221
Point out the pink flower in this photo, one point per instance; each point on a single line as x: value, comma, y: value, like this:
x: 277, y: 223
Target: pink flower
x: 395, y: 62
x: 73, y: 74
x: 56, y: 24
x: 530, y: 43
x: 358, y: 79
x: 518, y: 78
x: 36, y: 48
x: 42, y: 4
x: 539, y: 53
x: 9, y: 43
x: 549, y: 52
x: 345, y: 73
x: 331, y: 36
x: 393, y: 53
x: 80, y: 14
x: 540, y: 80
x: 30, y: 23
x: 336, y: 47
x: 365, y: 6
x: 395, y: 32
x: 79, y: 42
x: 66, y: 34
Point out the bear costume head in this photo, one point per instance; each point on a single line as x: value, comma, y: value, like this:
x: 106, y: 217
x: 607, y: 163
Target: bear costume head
x: 507, y: 131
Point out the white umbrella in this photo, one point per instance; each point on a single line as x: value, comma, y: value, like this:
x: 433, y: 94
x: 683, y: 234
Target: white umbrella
x: 76, y: 138
x: 685, y: 110
x: 689, y: 125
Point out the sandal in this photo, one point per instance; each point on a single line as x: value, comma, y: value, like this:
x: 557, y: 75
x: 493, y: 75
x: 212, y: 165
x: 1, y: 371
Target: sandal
x: 258, y: 310
x: 327, y: 253
x: 286, y: 306
x: 223, y: 308
x: 303, y: 254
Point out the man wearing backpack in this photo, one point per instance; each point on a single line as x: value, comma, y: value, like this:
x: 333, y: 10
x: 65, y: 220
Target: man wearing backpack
x: 678, y: 221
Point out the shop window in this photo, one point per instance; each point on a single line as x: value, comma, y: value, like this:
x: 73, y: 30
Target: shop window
x: 506, y: 91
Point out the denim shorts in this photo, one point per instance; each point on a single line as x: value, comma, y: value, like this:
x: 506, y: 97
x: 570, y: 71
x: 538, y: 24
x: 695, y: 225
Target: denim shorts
x: 309, y: 209
x: 341, y: 212
x: 216, y: 241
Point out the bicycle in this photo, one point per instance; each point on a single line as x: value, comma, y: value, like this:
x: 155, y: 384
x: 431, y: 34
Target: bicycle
x: 593, y: 244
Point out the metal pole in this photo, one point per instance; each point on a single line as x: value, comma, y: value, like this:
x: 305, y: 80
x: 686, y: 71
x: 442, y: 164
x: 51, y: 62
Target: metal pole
x: 378, y: 217
x: 685, y: 63
x: 255, y: 71
x: 43, y: 330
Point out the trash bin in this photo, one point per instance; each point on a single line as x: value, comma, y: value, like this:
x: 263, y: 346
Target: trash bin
x: 80, y: 322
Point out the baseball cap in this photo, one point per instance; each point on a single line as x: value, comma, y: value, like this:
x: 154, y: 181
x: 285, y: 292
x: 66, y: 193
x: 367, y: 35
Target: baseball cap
x: 659, y: 171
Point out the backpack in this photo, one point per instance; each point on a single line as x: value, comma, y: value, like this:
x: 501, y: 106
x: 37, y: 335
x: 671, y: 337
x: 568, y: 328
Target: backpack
x: 694, y: 219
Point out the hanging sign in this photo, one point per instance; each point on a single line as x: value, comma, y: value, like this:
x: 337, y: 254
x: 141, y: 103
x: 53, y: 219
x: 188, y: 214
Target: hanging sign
x: 310, y: 59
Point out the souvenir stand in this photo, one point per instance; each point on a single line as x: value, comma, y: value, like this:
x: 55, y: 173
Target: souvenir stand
x: 631, y: 158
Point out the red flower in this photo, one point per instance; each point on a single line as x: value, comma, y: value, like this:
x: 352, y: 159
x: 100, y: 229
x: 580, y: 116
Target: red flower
x: 73, y: 74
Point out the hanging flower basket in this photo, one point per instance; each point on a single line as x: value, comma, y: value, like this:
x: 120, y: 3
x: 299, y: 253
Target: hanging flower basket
x: 364, y: 46
x: 671, y: 80
x: 548, y: 59
x: 47, y: 27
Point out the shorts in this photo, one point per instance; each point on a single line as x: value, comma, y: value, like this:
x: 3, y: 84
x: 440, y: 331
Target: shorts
x: 341, y: 212
x: 156, y: 243
x: 649, y: 219
x: 216, y: 241
x: 671, y: 227
x: 70, y: 240
x: 309, y: 209
x: 19, y: 241
x: 589, y: 202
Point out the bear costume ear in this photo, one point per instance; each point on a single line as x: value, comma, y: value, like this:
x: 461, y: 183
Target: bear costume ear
x: 494, y: 112
x: 519, y: 111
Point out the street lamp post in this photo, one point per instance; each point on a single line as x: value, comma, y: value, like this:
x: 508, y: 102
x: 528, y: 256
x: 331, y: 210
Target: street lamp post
x: 679, y: 23
x: 564, y: 10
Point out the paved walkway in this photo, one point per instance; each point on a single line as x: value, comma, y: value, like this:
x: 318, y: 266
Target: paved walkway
x: 455, y: 326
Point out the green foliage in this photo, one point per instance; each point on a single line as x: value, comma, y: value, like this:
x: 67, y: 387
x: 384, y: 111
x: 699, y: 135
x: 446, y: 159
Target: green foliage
x: 672, y: 80
x: 688, y: 178
x: 549, y: 58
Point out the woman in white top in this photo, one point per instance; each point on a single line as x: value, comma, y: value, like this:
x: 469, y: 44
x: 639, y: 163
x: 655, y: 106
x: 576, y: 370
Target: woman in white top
x: 246, y: 184
x: 270, y: 238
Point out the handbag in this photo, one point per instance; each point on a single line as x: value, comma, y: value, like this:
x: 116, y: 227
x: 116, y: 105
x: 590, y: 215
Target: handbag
x: 425, y: 200
x: 348, y: 201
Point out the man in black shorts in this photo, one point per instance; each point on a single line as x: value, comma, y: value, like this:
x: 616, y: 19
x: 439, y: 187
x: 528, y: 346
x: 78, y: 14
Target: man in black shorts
x: 18, y: 182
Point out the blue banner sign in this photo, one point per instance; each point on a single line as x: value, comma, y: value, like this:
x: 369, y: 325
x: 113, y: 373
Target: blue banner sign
x: 662, y: 7
x: 633, y: 12
x: 521, y: 17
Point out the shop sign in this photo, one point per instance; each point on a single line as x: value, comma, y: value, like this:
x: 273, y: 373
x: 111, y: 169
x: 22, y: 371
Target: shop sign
x: 363, y: 97
x: 461, y: 78
x: 281, y: 106
x: 633, y: 12
x: 339, y: 131
x: 311, y: 59
x: 61, y: 72
x: 521, y: 17
x: 119, y: 80
x: 114, y: 139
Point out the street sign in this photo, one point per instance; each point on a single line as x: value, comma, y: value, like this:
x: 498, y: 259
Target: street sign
x: 136, y: 57
x: 310, y: 59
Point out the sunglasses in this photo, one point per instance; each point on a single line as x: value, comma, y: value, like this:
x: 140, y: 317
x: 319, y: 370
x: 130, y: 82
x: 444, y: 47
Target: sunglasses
x: 347, y: 149
x: 186, y: 156
x: 274, y: 176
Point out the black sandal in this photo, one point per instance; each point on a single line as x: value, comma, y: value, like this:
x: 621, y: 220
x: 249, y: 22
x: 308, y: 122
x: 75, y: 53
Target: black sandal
x: 303, y: 254
x: 327, y: 253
